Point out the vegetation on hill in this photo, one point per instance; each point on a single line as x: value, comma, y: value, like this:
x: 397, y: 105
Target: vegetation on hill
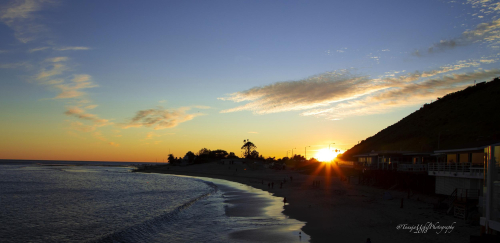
x: 463, y: 119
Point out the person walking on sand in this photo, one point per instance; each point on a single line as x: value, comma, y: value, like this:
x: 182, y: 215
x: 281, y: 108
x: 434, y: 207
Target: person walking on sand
x: 284, y: 201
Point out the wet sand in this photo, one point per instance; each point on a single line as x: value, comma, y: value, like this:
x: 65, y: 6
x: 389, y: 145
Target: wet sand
x: 336, y: 211
x: 264, y: 211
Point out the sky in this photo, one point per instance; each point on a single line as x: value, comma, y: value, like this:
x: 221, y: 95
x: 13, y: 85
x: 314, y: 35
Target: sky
x: 137, y: 80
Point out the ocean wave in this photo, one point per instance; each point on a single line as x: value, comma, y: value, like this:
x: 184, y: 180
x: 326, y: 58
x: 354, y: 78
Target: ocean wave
x: 140, y: 232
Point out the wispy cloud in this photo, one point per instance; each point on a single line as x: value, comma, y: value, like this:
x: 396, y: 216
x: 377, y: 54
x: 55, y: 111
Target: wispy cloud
x: 55, y: 69
x: 51, y: 75
x: 80, y: 113
x: 73, y: 89
x: 402, y: 96
x: 342, y: 50
x: 344, y: 94
x: 20, y: 15
x: 320, y: 90
x: 38, y: 49
x: 484, y: 32
x: 72, y: 48
x: 65, y: 48
x: 160, y: 118
x: 23, y: 17
x: 487, y: 32
x: 90, y: 107
x: 57, y: 59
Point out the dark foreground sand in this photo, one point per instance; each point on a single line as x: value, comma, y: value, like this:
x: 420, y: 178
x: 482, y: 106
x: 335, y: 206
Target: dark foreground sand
x: 338, y: 212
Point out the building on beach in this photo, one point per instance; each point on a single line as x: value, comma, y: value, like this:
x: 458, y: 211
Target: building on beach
x: 406, y: 161
x: 468, y: 176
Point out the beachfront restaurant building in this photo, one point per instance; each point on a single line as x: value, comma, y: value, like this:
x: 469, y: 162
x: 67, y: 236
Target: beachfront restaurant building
x: 458, y: 170
x: 469, y: 176
x: 394, y: 160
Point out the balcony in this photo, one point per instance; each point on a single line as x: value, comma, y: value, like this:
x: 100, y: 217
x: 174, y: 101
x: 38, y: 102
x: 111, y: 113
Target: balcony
x: 412, y: 167
x: 462, y: 170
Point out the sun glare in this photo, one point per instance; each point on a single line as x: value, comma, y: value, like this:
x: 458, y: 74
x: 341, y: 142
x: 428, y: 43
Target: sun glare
x: 325, y: 155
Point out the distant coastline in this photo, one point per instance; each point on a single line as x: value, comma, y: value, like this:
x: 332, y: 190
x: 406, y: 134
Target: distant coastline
x: 75, y: 162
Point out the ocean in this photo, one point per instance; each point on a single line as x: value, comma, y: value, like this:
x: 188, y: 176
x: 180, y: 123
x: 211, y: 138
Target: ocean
x: 64, y: 202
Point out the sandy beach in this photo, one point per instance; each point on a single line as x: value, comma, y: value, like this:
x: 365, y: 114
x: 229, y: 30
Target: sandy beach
x: 335, y: 211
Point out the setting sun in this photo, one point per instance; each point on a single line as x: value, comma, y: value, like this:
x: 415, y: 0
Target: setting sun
x: 325, y: 155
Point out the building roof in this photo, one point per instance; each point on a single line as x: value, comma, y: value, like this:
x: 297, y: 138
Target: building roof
x: 466, y: 149
x: 383, y: 152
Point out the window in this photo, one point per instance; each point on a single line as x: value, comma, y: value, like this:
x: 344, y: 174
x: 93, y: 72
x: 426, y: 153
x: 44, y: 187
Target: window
x: 451, y: 158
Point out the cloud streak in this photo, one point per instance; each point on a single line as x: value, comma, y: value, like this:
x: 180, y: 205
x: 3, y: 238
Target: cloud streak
x: 80, y: 113
x: 320, y: 90
x: 20, y: 15
x: 487, y: 32
x: 72, y: 48
x: 341, y: 94
x: 484, y: 32
x: 72, y: 89
x: 160, y: 118
x: 402, y: 96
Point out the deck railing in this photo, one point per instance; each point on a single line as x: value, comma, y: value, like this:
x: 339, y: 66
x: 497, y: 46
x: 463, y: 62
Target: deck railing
x: 412, y: 167
x: 456, y: 169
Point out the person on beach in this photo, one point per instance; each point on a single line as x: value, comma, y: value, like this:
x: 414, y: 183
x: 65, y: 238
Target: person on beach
x: 269, y: 185
x: 284, y: 201
x: 272, y: 185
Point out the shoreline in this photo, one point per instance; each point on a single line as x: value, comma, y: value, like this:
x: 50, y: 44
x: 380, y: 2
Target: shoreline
x: 334, y: 209
x: 258, y: 206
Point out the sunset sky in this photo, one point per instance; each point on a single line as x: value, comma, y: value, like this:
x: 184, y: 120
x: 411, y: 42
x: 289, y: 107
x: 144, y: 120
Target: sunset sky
x: 133, y: 80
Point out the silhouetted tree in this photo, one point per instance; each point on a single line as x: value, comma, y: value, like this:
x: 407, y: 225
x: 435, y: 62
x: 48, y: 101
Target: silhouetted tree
x: 171, y: 159
x: 204, y: 153
x: 254, y: 154
x: 232, y: 156
x: 298, y: 157
x: 190, y: 155
x: 248, y: 147
x: 218, y: 154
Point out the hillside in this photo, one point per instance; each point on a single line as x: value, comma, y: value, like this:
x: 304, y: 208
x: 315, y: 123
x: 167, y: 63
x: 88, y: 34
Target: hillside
x: 466, y: 118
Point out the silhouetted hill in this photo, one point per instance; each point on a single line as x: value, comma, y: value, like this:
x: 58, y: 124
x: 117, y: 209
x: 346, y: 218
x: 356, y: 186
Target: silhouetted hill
x: 466, y: 118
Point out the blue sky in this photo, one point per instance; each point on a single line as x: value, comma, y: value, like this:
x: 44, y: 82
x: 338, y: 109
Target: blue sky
x: 127, y: 80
